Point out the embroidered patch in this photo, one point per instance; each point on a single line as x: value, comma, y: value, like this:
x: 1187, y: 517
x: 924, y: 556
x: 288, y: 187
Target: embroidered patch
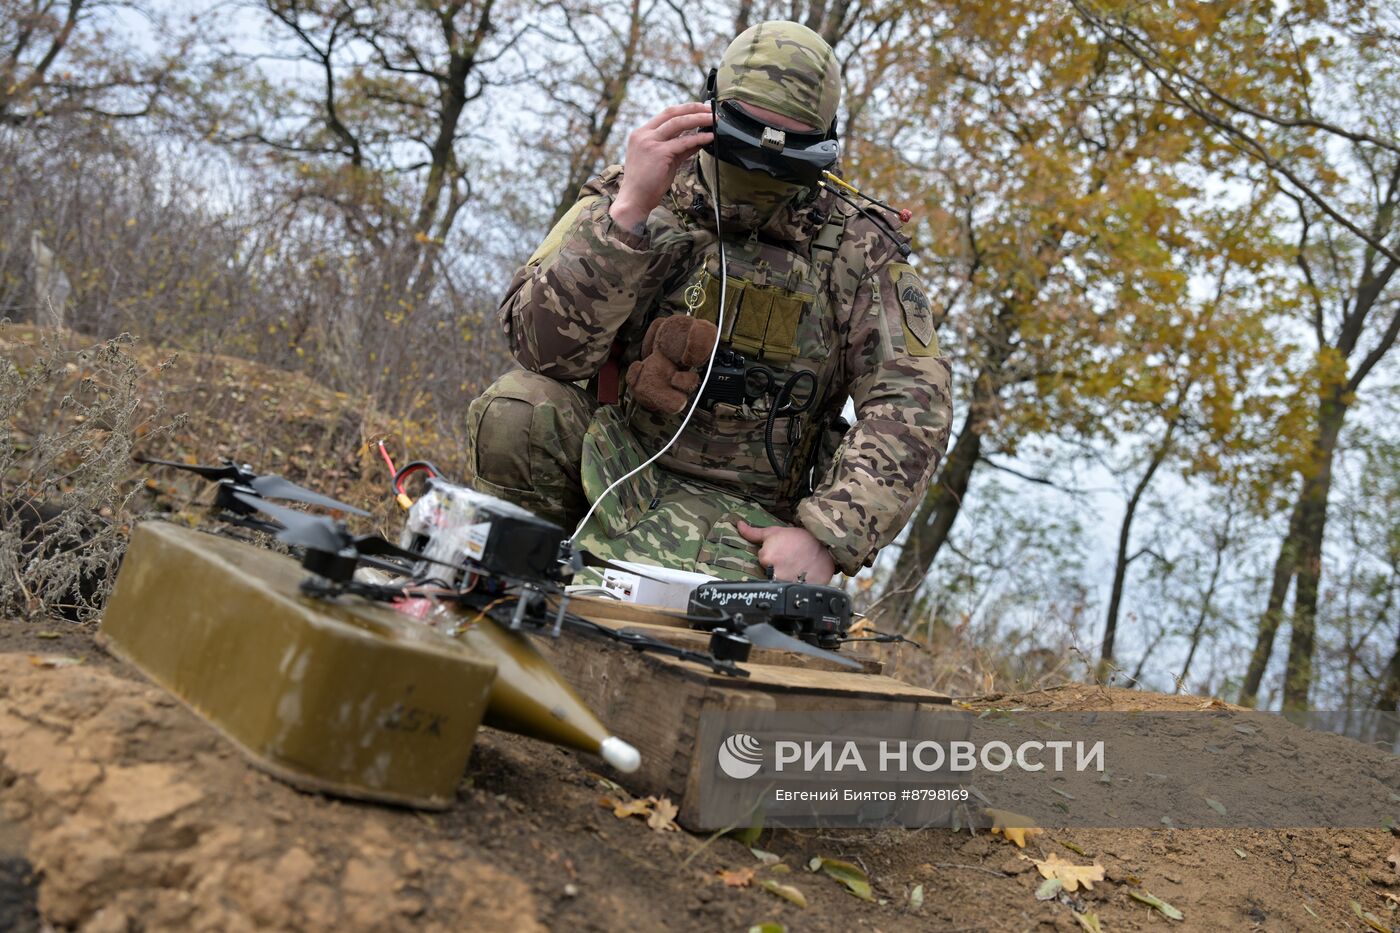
x: 918, y: 313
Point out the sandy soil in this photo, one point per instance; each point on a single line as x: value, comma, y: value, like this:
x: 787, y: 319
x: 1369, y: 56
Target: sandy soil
x: 120, y: 810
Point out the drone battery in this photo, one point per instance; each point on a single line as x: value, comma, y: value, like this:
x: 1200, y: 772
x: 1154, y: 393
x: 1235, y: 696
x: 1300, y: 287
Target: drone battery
x: 337, y: 697
x: 458, y: 525
x: 817, y: 614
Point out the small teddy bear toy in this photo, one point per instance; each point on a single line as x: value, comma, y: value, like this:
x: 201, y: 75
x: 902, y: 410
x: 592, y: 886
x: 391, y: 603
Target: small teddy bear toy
x: 664, y: 378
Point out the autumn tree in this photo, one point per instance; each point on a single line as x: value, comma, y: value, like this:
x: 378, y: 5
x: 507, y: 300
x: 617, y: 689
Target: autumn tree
x: 58, y: 58
x: 1305, y: 92
x: 374, y: 116
x: 1185, y: 392
x: 1055, y: 214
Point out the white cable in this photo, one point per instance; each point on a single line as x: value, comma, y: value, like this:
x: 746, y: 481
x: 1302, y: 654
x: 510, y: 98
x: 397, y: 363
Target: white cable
x: 719, y: 335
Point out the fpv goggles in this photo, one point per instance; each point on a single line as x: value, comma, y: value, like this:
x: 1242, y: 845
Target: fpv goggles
x: 749, y: 143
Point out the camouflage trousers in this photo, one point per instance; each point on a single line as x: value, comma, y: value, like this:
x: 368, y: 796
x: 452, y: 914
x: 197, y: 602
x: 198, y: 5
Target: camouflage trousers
x: 549, y: 447
x: 526, y: 442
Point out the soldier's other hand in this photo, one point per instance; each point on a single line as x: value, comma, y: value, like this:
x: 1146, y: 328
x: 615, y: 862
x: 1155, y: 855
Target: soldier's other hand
x: 791, y: 552
x: 655, y: 152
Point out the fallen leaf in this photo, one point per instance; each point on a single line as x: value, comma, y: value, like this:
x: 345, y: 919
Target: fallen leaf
x: 1370, y: 919
x: 852, y: 876
x: 1151, y: 900
x: 48, y: 635
x: 1215, y: 805
x: 786, y: 891
x: 738, y: 878
x: 622, y: 810
x: 772, y: 926
x: 1242, y: 853
x: 1216, y: 703
x: 663, y: 815
x: 916, y: 897
x: 767, y: 858
x: 49, y: 661
x: 1012, y: 826
x: 1049, y: 889
x: 1071, y: 874
x: 1089, y: 922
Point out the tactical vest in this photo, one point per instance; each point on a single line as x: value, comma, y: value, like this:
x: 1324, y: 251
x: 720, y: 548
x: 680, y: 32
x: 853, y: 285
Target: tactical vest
x: 779, y: 314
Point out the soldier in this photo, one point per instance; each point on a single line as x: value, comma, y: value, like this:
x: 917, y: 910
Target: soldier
x: 818, y: 306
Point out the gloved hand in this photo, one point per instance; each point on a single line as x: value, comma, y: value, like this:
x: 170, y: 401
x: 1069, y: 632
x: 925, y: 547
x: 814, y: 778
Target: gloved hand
x: 664, y: 378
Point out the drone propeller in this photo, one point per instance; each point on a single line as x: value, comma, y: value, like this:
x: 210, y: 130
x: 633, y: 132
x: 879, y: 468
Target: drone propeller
x: 227, y: 471
x: 765, y: 635
x: 321, y: 535
x: 270, y: 486
x: 300, y: 529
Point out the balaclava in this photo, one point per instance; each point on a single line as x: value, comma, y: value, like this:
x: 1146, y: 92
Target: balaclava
x: 788, y: 69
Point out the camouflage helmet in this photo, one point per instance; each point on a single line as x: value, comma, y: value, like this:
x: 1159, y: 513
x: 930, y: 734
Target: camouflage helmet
x: 784, y: 67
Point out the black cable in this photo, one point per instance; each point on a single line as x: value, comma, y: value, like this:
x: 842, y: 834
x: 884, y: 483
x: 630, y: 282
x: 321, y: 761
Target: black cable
x: 903, y: 247
x: 410, y: 468
x: 780, y: 408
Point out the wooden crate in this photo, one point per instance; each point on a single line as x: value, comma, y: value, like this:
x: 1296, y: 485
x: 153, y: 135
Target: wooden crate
x: 656, y: 702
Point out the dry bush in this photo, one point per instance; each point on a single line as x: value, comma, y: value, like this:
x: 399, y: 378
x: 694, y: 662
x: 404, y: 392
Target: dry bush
x: 173, y: 242
x: 70, y: 419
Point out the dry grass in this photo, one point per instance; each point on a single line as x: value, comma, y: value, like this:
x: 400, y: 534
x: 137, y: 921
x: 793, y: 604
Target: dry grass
x: 74, y: 412
x: 71, y: 416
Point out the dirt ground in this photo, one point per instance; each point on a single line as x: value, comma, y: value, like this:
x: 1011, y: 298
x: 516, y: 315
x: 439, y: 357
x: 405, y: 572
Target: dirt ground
x: 120, y: 810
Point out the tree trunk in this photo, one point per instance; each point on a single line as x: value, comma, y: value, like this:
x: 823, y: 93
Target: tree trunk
x: 1136, y: 680
x: 1269, y: 622
x: 591, y: 156
x: 930, y: 527
x: 1122, y: 560
x: 1313, y: 508
x: 933, y: 521
x: 1389, y: 696
x: 1222, y: 542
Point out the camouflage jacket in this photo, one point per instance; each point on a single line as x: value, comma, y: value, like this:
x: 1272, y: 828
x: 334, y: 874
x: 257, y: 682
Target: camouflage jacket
x: 836, y: 300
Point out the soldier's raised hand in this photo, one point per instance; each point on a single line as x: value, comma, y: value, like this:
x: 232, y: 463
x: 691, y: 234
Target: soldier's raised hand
x: 655, y: 152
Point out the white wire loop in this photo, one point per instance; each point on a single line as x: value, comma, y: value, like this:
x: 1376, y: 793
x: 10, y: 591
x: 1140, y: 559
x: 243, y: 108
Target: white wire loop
x: 695, y: 402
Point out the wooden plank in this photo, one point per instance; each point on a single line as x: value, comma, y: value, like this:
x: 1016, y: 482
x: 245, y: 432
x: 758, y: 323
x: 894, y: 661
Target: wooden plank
x: 597, y: 609
x: 771, y: 679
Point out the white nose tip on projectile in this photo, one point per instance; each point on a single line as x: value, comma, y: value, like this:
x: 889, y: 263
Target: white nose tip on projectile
x: 620, y: 755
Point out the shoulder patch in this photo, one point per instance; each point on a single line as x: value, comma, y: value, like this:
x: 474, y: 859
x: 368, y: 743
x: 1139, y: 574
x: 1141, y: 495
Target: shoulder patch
x: 918, y: 312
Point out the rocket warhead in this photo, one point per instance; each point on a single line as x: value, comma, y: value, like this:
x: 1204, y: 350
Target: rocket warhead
x: 620, y: 755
